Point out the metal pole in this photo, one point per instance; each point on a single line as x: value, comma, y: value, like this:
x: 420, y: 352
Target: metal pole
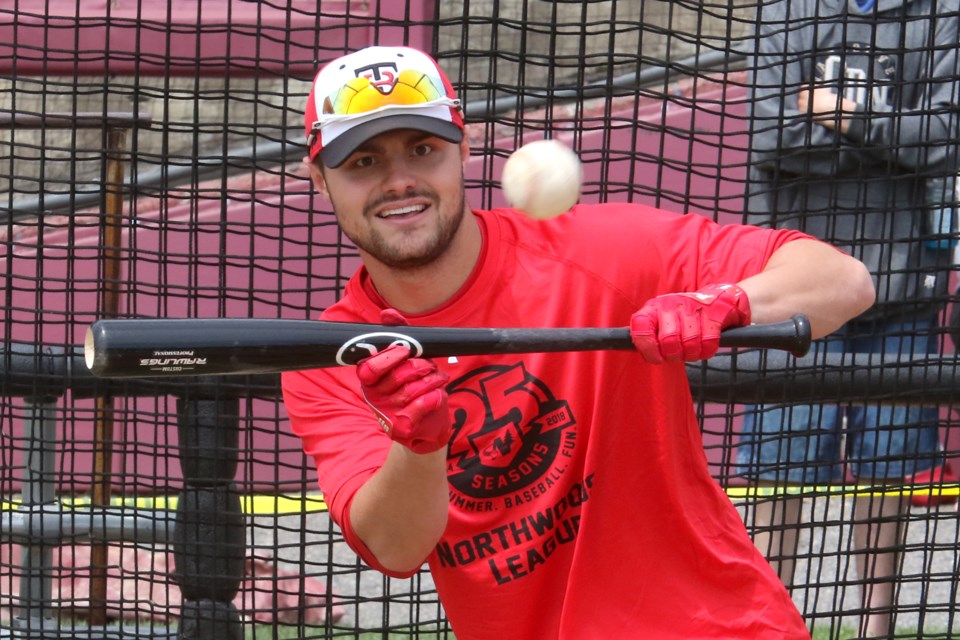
x: 111, y: 261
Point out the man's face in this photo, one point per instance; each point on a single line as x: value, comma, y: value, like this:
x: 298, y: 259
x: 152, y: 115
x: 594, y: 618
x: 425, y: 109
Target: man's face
x: 399, y: 197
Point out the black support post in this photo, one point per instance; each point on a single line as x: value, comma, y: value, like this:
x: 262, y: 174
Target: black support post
x: 210, y: 536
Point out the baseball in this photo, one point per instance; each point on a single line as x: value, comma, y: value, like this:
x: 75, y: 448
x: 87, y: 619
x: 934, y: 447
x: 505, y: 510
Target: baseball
x: 542, y: 179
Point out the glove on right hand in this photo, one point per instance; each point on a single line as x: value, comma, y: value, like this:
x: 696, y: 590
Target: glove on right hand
x: 408, y: 397
x: 679, y: 327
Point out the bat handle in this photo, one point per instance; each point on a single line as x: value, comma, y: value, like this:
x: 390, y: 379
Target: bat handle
x: 793, y: 335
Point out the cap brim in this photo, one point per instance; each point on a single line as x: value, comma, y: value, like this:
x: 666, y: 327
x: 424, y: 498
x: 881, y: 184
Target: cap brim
x: 334, y: 154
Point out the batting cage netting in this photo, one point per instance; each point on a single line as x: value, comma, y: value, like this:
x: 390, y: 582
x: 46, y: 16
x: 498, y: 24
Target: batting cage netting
x: 151, y: 167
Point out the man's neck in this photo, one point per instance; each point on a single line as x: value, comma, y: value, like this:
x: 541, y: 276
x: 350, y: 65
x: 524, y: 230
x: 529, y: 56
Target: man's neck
x: 424, y: 288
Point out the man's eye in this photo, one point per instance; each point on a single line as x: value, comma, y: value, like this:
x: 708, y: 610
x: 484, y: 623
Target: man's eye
x: 363, y: 162
x: 422, y: 150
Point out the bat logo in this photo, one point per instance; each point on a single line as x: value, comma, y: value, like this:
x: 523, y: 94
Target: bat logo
x: 172, y: 364
x: 173, y: 360
x: 369, y: 344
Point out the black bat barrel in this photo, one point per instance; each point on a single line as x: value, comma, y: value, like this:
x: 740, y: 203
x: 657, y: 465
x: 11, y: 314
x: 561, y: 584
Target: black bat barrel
x: 189, y: 347
x: 137, y: 348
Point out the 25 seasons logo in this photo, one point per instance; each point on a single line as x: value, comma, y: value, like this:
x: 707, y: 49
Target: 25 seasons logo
x: 508, y: 430
x: 511, y: 448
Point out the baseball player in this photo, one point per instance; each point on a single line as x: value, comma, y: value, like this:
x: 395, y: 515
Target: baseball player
x: 555, y: 495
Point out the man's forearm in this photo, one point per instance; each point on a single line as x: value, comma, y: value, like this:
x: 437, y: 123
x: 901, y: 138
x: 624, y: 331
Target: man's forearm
x: 401, y: 511
x: 811, y: 277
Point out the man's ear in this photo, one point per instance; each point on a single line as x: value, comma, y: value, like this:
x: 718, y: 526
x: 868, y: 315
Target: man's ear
x: 316, y: 175
x: 465, y: 149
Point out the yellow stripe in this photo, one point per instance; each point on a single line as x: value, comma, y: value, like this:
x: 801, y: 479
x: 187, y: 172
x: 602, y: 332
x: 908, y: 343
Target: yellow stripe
x: 252, y: 504
x: 278, y: 505
x: 841, y: 490
x: 283, y: 505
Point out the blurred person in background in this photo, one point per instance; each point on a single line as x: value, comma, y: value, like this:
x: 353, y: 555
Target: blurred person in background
x: 854, y: 133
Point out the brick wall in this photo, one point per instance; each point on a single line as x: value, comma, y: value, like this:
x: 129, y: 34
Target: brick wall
x: 206, y: 117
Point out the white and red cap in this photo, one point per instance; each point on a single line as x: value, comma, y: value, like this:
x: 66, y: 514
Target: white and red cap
x: 375, y: 90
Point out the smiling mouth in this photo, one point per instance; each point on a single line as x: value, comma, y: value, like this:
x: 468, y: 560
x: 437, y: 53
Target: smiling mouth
x: 402, y: 211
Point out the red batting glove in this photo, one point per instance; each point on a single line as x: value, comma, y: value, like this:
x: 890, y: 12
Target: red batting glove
x: 409, y: 398
x: 679, y: 327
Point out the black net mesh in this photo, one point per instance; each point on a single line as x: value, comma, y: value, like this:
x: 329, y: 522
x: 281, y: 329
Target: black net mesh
x: 150, y: 166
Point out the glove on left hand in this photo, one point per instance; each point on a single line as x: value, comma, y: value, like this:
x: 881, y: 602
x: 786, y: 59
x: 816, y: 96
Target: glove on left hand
x: 679, y: 327
x: 406, y: 394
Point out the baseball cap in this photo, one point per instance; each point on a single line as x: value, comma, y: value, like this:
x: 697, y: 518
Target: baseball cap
x: 375, y: 90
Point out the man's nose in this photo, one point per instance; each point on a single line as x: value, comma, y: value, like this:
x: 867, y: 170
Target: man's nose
x: 398, y: 176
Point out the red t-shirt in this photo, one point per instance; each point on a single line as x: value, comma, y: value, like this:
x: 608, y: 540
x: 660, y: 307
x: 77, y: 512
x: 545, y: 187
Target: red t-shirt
x: 581, y: 505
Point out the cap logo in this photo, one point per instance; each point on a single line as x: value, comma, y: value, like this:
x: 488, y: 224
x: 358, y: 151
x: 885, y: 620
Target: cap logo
x: 382, y: 75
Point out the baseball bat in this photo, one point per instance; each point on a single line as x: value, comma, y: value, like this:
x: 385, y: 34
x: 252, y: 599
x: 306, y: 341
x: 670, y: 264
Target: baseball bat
x: 137, y: 348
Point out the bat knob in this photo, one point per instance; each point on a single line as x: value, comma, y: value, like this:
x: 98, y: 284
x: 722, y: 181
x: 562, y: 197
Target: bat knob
x: 803, y: 335
x: 89, y: 348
